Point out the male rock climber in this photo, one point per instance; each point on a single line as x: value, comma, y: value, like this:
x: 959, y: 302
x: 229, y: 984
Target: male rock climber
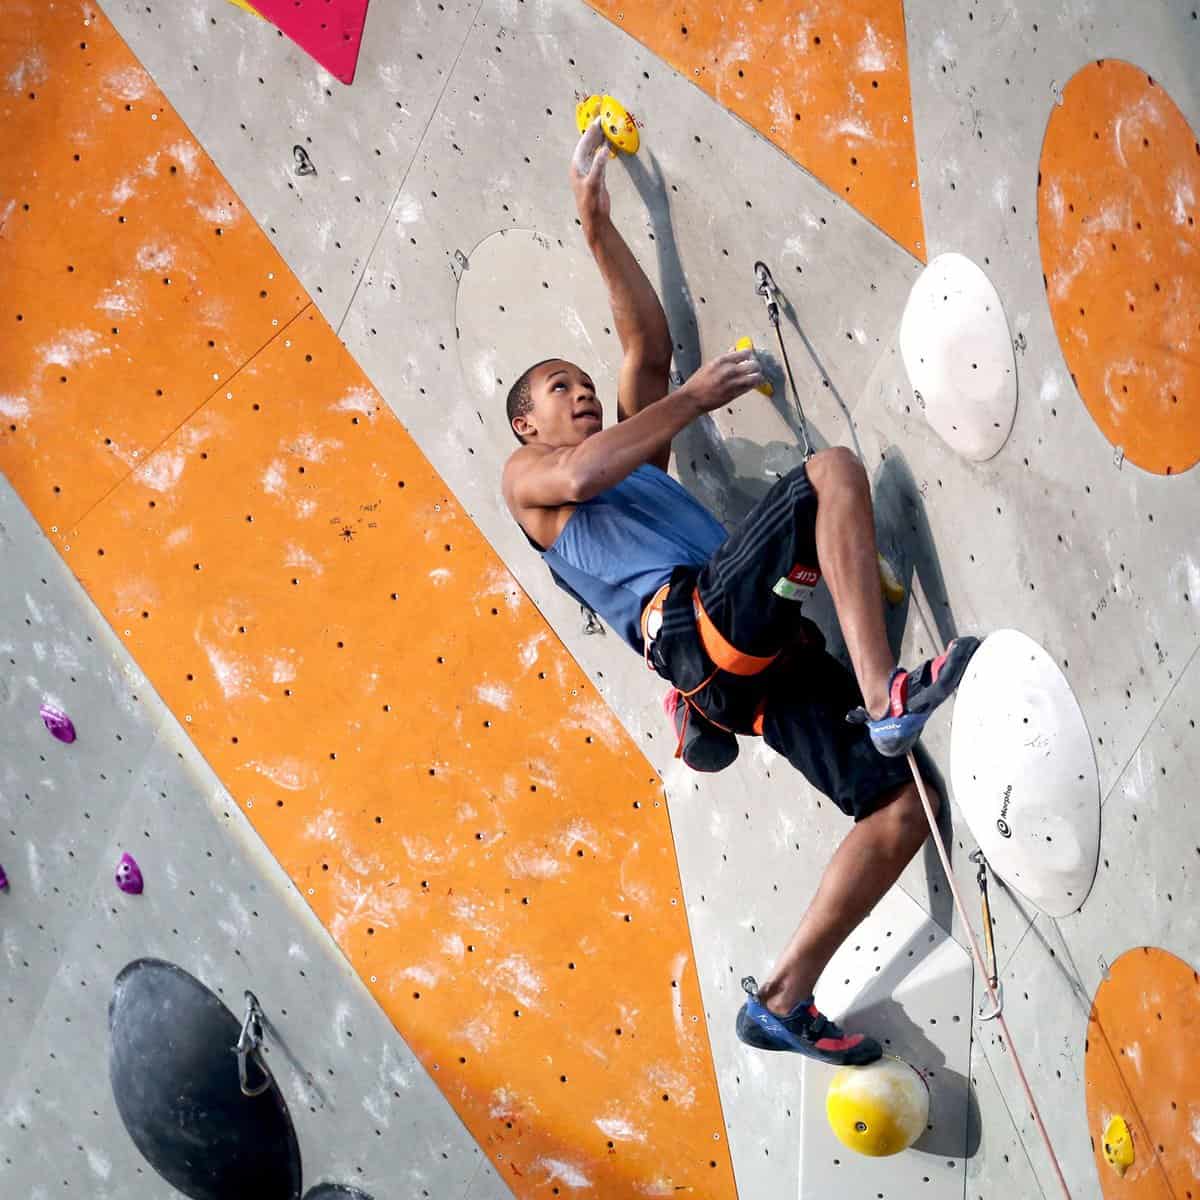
x: 718, y: 616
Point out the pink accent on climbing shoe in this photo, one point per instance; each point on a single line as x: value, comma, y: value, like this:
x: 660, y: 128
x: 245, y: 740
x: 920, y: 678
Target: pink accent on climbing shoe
x: 129, y: 876
x: 328, y: 30
x: 58, y: 723
x: 838, y: 1045
x: 898, y: 694
x: 670, y: 702
x: 935, y: 668
x: 3, y: 881
x: 833, y: 1045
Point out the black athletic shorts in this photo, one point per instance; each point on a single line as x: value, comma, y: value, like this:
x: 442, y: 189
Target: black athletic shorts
x: 751, y: 590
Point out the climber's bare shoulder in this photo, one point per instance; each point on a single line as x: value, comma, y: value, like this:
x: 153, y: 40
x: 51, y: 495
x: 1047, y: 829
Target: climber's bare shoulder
x: 537, y: 492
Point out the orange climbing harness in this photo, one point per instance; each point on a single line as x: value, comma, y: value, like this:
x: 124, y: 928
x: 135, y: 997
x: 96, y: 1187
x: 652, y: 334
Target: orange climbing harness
x: 724, y: 655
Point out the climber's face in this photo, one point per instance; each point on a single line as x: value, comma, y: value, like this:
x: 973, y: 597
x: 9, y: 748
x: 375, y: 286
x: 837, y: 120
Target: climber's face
x: 564, y: 410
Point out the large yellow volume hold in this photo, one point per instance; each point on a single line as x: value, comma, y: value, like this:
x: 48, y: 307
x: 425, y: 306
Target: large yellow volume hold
x: 880, y: 1109
x: 745, y: 343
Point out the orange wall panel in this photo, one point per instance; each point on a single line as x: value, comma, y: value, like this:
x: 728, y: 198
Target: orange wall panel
x: 1119, y: 229
x: 134, y: 281
x: 827, y: 83
x: 408, y: 736
x: 1143, y: 1033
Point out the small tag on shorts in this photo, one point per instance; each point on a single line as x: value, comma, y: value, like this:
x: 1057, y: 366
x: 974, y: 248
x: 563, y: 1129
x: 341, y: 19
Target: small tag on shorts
x: 798, y: 583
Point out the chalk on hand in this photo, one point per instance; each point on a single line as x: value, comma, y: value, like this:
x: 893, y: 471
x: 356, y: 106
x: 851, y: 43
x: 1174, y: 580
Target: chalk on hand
x: 618, y: 124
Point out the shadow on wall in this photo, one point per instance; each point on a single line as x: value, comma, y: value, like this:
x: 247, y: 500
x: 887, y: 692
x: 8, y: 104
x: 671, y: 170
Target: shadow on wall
x: 904, y: 536
x: 954, y: 1127
x: 729, y: 474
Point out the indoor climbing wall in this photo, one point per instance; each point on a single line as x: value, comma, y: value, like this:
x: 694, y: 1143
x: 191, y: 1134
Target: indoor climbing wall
x: 265, y: 268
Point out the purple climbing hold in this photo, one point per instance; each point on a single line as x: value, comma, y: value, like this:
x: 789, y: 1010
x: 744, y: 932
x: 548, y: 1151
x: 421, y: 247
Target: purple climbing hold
x: 3, y: 881
x: 58, y: 723
x: 129, y: 876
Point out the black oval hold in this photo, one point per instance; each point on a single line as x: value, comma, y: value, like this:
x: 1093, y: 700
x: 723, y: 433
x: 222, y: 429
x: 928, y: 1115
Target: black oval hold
x: 174, y: 1077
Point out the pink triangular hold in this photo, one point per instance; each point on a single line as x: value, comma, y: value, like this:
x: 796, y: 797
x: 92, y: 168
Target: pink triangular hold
x: 329, y: 30
x: 3, y: 881
x: 58, y: 723
x: 129, y: 876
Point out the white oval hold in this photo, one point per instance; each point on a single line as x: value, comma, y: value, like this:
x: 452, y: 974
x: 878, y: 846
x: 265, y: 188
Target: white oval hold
x: 959, y: 356
x: 1024, y: 772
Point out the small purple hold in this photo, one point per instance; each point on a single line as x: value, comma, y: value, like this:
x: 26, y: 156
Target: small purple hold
x: 58, y: 723
x: 129, y: 876
x: 3, y: 881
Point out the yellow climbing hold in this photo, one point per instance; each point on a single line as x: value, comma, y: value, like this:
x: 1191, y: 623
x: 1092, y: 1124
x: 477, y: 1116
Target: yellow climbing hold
x: 619, y: 125
x: 880, y: 1109
x: 745, y: 343
x: 1118, y: 1145
x: 586, y: 111
x: 890, y: 582
x: 248, y: 7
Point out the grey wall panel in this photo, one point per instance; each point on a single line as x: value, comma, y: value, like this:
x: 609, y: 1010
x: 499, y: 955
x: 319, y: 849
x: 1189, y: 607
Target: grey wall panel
x: 1000, y: 1166
x: 1146, y: 890
x: 1047, y: 1015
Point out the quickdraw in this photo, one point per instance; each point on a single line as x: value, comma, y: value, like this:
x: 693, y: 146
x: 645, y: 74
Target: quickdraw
x: 764, y: 286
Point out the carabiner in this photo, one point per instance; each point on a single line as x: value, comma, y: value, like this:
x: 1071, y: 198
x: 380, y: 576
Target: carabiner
x: 981, y: 878
x: 248, y: 1043
x: 764, y: 286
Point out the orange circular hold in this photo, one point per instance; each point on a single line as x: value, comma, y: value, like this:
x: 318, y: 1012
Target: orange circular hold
x: 1119, y: 226
x: 1142, y: 1048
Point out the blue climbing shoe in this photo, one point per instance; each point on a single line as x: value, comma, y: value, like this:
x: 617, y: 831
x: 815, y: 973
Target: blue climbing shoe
x: 803, y: 1031
x: 912, y: 697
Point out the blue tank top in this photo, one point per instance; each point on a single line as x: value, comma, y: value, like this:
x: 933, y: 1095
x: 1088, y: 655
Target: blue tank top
x: 618, y: 548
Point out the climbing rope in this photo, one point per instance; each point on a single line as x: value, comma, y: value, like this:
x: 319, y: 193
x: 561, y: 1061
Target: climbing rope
x: 979, y: 963
x: 766, y: 288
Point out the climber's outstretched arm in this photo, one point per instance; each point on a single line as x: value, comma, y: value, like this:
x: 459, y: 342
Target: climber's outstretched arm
x: 637, y: 312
